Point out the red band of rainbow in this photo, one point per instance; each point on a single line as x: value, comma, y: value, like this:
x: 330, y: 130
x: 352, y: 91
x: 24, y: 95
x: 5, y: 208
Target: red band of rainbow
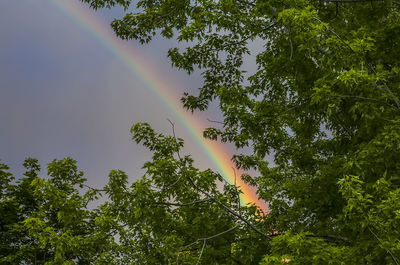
x: 139, y: 66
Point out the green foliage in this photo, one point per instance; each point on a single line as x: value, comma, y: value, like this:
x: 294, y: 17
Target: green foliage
x: 323, y: 104
x: 175, y: 212
x: 47, y: 221
x: 320, y: 114
x: 175, y: 209
x: 303, y: 248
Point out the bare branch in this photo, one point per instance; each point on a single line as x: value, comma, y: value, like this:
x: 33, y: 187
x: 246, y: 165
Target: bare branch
x: 173, y: 132
x: 99, y: 190
x: 219, y: 122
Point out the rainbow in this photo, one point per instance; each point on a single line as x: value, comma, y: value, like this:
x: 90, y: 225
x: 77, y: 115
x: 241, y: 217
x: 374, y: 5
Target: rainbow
x: 140, y: 66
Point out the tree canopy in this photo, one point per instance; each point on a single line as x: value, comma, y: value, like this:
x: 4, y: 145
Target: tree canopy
x: 323, y: 105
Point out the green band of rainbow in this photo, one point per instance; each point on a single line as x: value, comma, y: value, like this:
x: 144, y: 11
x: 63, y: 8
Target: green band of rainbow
x: 138, y: 65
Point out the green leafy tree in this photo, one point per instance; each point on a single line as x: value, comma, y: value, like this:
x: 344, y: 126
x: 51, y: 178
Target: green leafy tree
x: 47, y: 221
x: 320, y: 114
x: 174, y: 214
x: 17, y: 202
x: 177, y: 213
x: 323, y: 104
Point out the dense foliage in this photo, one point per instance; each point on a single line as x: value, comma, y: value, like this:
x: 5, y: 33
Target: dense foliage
x: 323, y: 104
x: 169, y: 216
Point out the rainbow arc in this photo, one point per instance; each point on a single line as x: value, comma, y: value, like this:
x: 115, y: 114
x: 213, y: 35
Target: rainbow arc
x: 139, y: 65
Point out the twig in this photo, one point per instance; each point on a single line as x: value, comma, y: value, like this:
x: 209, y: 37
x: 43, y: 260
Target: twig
x: 237, y: 192
x: 364, y: 98
x: 334, y: 33
x: 183, y: 204
x: 324, y: 237
x: 232, y: 212
x: 219, y: 122
x: 100, y: 190
x: 208, y: 238
x: 167, y: 187
x: 202, y: 249
x: 369, y: 65
x: 387, y: 250
x: 179, y: 156
x: 173, y: 132
x: 204, y: 239
x: 351, y: 1
x: 327, y: 237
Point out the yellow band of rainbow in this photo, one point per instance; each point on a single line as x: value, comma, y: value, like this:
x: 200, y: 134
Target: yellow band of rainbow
x: 134, y: 60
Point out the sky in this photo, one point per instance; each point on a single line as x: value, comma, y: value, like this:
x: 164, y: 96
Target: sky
x: 63, y: 93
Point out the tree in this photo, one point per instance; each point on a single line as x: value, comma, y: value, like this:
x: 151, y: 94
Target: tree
x: 47, y: 221
x: 323, y: 104
x: 174, y: 214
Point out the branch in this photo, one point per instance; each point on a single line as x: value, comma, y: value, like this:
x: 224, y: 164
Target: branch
x: 183, y: 204
x: 368, y: 64
x: 388, y: 251
x: 179, y: 156
x: 327, y: 238
x: 352, y: 1
x: 363, y: 98
x: 173, y: 132
x: 219, y: 122
x: 204, y: 239
x: 236, y: 188
x: 230, y: 210
x: 208, y: 238
x: 334, y: 33
x: 167, y: 187
x: 237, y: 192
x: 99, y: 190
x: 202, y: 249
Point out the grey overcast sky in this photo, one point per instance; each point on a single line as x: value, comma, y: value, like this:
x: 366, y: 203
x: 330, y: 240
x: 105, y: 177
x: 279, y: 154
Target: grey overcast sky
x: 64, y: 94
